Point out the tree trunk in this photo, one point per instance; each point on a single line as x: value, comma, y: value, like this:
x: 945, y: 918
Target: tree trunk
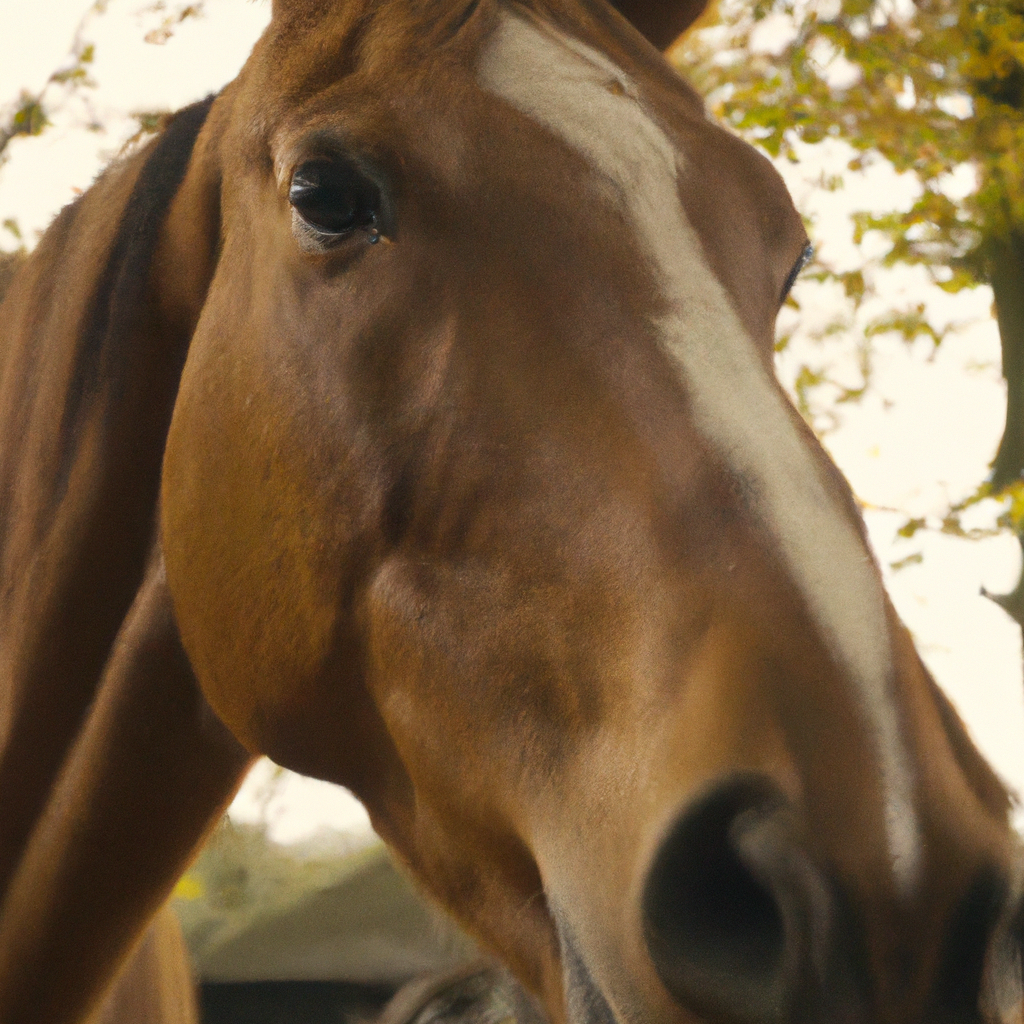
x: 1007, y: 277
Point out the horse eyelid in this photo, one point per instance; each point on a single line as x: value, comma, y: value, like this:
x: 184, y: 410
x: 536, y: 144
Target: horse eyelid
x: 804, y: 258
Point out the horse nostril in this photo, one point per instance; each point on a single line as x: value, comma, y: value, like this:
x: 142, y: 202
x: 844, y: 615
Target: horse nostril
x: 979, y: 976
x: 733, y: 910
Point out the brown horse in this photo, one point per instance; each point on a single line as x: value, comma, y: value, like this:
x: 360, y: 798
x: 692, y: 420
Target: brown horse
x: 406, y: 414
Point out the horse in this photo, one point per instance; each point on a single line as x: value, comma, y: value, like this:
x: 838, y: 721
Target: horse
x: 406, y: 413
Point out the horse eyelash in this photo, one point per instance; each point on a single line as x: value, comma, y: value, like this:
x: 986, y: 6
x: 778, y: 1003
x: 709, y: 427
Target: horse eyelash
x: 805, y: 257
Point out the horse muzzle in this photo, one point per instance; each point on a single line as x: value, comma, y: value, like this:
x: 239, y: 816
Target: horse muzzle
x: 744, y: 923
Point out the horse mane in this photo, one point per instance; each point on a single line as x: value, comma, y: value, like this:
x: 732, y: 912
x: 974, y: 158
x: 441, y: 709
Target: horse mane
x: 980, y: 776
x: 139, y: 229
x: 90, y: 409
x: 10, y: 264
x: 123, y: 282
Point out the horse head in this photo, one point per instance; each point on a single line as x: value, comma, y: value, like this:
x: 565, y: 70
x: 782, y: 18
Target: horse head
x: 480, y: 498
x: 479, y: 458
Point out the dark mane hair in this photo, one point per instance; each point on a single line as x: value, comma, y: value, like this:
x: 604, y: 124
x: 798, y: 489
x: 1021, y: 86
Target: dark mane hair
x: 122, y: 283
x: 10, y: 264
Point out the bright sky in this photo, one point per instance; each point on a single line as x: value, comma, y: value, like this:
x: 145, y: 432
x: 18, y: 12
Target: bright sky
x: 924, y: 438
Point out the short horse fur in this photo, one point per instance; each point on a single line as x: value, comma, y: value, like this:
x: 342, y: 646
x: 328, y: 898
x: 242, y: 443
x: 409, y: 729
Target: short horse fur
x: 406, y: 413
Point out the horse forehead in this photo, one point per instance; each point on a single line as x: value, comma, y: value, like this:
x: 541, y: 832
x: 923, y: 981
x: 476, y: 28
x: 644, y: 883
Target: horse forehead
x: 579, y: 93
x: 583, y: 98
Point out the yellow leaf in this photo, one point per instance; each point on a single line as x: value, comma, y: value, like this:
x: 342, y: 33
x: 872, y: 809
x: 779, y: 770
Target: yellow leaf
x: 188, y: 888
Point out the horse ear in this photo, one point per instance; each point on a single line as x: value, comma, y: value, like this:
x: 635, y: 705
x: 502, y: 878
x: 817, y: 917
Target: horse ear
x: 661, y: 22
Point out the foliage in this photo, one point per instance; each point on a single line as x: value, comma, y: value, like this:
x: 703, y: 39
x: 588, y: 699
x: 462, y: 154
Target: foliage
x: 33, y: 112
x: 169, y: 21
x: 242, y: 878
x: 31, y: 115
x: 929, y: 87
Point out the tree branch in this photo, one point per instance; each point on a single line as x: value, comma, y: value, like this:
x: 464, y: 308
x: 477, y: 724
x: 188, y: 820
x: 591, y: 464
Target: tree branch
x: 30, y: 117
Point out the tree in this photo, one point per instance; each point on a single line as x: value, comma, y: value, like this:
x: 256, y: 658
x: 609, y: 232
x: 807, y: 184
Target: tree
x: 66, y: 93
x: 934, y: 87
x: 29, y: 115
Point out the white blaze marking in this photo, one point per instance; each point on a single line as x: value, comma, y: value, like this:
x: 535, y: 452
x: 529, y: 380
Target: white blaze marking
x: 586, y: 100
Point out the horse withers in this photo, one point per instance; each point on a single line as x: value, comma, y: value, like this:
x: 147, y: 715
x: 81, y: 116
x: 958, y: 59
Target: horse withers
x: 406, y: 413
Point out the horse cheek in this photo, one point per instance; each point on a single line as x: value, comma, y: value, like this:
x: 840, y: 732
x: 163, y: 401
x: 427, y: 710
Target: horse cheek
x: 245, y: 557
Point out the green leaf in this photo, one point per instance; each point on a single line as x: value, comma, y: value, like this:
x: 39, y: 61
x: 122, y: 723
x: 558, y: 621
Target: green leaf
x: 30, y: 118
x: 915, y: 559
x: 910, y: 527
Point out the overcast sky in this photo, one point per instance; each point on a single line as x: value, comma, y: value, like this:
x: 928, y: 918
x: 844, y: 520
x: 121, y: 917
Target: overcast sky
x: 924, y: 438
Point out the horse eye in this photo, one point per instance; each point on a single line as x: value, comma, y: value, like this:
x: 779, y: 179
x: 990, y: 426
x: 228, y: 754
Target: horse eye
x: 334, y: 198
